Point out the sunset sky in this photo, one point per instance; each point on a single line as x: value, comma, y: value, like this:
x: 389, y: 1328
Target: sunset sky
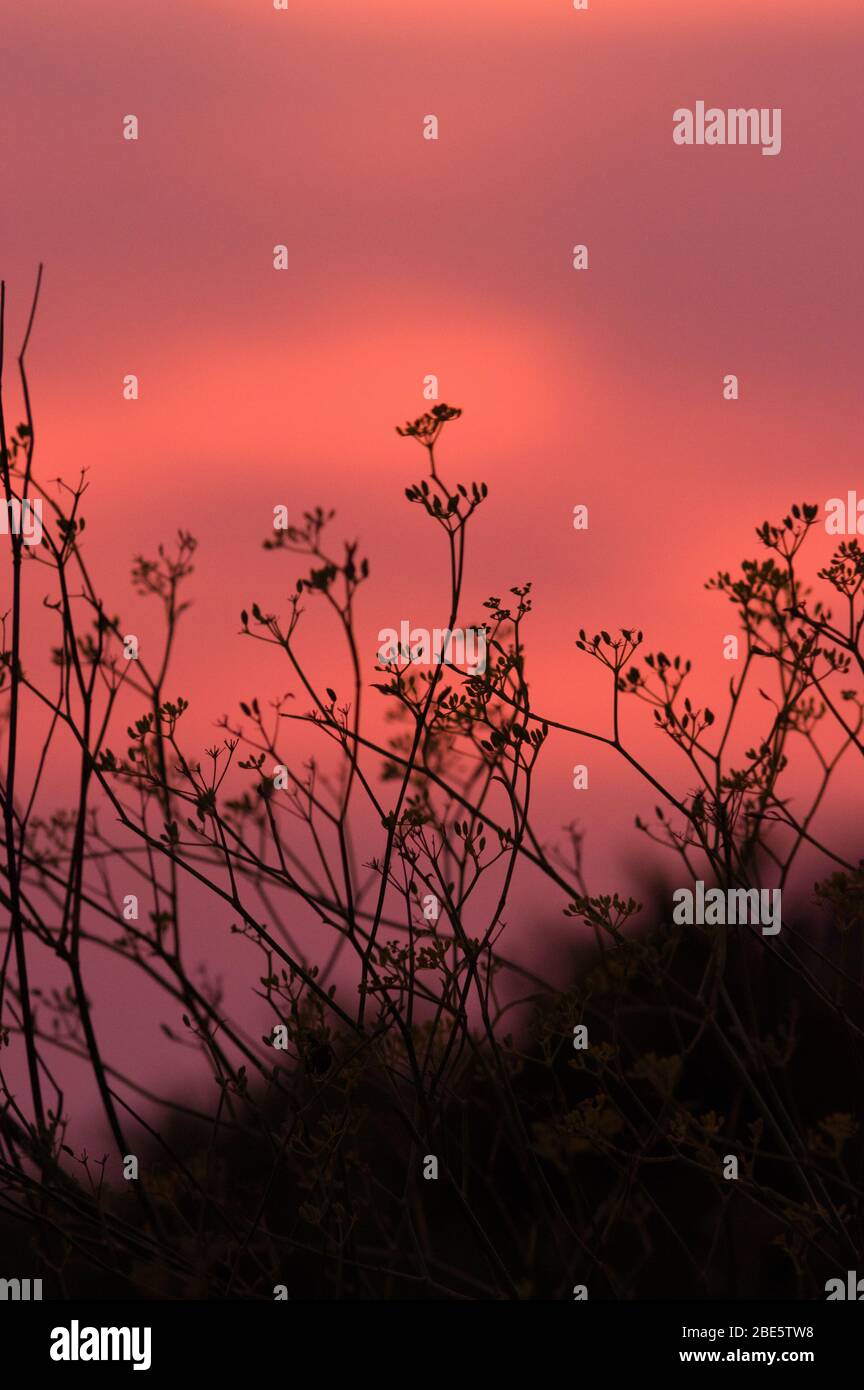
x: 453, y: 257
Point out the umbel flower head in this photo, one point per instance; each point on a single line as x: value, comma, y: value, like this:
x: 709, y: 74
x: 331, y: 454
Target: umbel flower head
x: 427, y: 429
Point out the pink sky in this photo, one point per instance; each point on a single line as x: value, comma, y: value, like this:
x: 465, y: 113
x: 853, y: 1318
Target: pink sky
x: 409, y: 257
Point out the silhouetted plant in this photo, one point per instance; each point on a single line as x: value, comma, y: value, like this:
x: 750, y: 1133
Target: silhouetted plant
x: 557, y: 1166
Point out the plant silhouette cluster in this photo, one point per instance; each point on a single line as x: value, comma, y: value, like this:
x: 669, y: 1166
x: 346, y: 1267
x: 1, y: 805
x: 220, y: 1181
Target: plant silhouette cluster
x: 557, y: 1165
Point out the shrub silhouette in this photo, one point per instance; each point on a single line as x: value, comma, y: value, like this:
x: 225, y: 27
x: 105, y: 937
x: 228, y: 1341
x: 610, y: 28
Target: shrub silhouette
x: 558, y: 1166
